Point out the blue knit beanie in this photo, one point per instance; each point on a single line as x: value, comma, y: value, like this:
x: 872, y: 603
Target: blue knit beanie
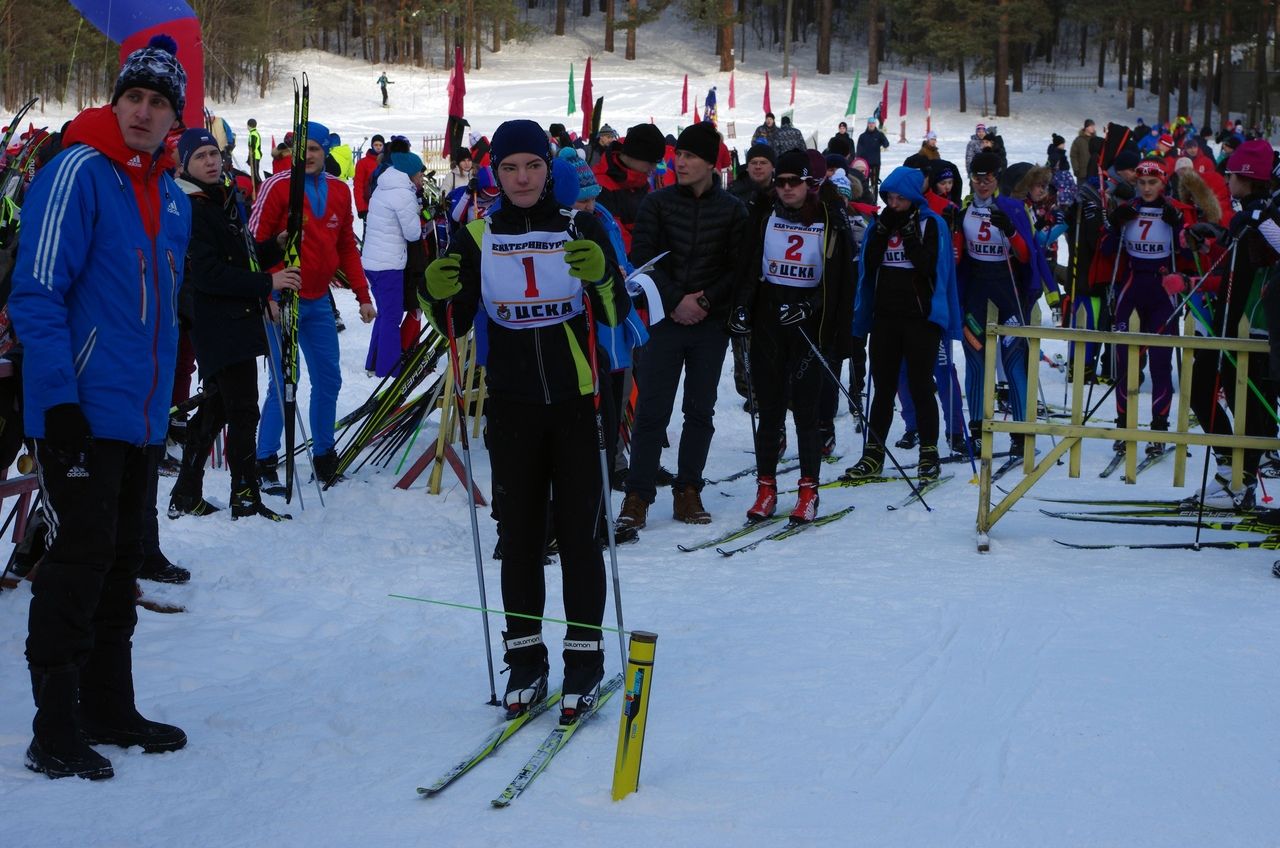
x: 409, y: 163
x: 191, y: 141
x: 318, y: 133
x: 520, y: 136
x: 565, y: 182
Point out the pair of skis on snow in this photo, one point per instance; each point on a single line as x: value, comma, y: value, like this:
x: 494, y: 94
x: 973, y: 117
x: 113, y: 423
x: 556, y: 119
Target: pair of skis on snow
x: 552, y: 744
x: 792, y: 529
x: 1169, y: 513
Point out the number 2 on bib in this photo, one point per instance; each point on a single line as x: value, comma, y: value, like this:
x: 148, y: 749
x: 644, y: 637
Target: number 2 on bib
x: 795, y: 246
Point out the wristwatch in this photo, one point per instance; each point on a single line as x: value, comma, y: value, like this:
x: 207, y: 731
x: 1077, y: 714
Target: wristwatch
x: 704, y: 303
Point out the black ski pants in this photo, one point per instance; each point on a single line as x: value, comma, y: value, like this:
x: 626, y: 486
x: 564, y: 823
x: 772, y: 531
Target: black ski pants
x: 83, y: 593
x: 697, y: 351
x: 895, y: 340
x: 233, y: 402
x: 538, y: 450
x: 784, y: 369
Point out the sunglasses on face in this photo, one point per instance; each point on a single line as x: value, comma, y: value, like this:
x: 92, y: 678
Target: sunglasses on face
x: 793, y: 182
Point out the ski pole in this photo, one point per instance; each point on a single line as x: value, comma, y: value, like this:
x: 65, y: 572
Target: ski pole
x: 1217, y: 385
x: 455, y: 364
x: 870, y: 432
x: 751, y: 387
x: 605, y: 488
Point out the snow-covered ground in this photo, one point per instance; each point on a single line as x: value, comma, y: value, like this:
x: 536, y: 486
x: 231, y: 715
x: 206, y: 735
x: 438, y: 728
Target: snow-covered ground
x: 873, y: 682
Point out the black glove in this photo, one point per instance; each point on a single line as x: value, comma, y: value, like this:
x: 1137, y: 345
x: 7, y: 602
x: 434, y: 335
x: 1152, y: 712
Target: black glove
x: 1170, y: 215
x: 67, y: 435
x: 1123, y: 215
x: 1002, y: 222
x: 740, y: 322
x: 362, y: 215
x: 1198, y: 234
x: 790, y: 314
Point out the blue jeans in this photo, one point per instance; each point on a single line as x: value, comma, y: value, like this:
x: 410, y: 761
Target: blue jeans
x: 318, y: 340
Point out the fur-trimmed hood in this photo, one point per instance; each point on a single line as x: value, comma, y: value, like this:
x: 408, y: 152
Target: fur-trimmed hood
x: 1035, y: 174
x: 1195, y: 191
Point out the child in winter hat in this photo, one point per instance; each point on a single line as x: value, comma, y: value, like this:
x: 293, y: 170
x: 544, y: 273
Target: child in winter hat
x: 156, y: 68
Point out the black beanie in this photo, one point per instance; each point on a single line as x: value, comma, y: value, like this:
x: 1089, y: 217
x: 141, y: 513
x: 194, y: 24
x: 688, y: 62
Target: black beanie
x: 985, y: 162
x: 1126, y: 160
x: 796, y: 162
x: 762, y: 151
x: 376, y: 138
x: 644, y: 142
x: 155, y: 68
x: 701, y: 140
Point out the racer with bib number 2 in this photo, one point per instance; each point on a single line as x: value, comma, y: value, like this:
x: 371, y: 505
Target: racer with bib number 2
x: 527, y: 266
x: 798, y: 269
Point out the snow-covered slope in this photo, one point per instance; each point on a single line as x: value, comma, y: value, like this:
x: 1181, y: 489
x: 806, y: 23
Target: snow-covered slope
x: 873, y: 682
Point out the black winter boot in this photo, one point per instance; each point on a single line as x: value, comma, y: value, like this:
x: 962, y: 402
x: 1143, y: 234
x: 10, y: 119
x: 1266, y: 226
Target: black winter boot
x: 326, y: 468
x: 107, y: 712
x: 246, y: 501
x: 58, y: 749
x: 269, y: 477
x: 526, y: 659
x: 583, y: 671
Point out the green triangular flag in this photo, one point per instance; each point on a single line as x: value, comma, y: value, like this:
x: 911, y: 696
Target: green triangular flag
x: 852, y: 108
x: 573, y: 104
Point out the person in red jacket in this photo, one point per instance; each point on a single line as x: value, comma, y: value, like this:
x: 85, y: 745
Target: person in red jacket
x: 623, y: 175
x: 364, y: 169
x: 328, y: 246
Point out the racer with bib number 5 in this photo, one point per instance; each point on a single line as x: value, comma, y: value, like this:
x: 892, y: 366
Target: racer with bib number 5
x: 527, y: 266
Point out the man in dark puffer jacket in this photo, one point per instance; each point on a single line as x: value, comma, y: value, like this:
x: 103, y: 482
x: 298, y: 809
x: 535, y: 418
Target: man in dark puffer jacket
x: 701, y: 225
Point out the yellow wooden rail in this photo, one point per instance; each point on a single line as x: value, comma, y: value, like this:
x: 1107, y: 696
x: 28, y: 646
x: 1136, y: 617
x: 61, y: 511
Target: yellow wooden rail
x: 1073, y: 435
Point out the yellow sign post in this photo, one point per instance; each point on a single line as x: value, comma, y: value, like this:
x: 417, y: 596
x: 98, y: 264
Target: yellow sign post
x: 635, y: 711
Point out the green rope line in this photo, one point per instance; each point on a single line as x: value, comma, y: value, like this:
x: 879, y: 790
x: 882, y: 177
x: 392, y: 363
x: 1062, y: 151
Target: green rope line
x: 512, y: 614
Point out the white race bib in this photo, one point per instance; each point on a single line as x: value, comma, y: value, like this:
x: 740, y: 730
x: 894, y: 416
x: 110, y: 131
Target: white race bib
x: 895, y: 255
x: 793, y: 253
x: 1147, y: 236
x: 524, y: 281
x: 982, y: 240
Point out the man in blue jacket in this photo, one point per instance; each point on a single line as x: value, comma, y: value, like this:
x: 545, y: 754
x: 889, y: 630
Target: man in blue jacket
x: 105, y: 232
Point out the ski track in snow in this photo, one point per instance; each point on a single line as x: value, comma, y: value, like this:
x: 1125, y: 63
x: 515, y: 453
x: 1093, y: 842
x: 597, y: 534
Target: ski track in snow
x: 870, y: 682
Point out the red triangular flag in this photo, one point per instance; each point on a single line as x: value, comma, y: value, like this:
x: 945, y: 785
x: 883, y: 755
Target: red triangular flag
x: 793, y: 88
x: 588, y: 105
x: 684, y: 96
x: 902, y: 106
x: 884, y: 104
x: 767, y: 107
x: 733, y: 101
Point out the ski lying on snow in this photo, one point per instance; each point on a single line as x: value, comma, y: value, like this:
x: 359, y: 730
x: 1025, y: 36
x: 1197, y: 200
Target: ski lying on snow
x: 960, y: 457
x: 736, y: 533
x: 552, y: 745
x: 1007, y: 466
x: 921, y: 489
x: 787, y: 532
x: 491, y: 743
x: 1152, y: 502
x: 1243, y: 523
x: 1271, y: 543
x: 1177, y: 511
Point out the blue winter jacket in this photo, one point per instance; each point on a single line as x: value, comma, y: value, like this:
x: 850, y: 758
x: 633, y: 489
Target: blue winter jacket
x: 94, y: 291
x: 944, y: 308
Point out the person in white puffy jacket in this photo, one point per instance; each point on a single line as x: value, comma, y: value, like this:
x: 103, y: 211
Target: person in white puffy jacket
x: 394, y: 221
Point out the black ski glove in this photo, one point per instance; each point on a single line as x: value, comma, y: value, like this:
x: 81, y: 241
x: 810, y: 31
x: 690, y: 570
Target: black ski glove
x: 740, y: 322
x: 1198, y: 234
x: 790, y: 314
x: 67, y: 436
x: 1123, y: 215
x: 1002, y: 222
x: 1170, y: 215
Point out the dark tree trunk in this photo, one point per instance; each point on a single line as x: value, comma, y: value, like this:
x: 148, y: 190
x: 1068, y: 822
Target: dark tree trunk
x: 608, y: 26
x: 560, y: 15
x: 824, y: 36
x: 1002, y: 61
x: 964, y: 103
x: 873, y: 42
